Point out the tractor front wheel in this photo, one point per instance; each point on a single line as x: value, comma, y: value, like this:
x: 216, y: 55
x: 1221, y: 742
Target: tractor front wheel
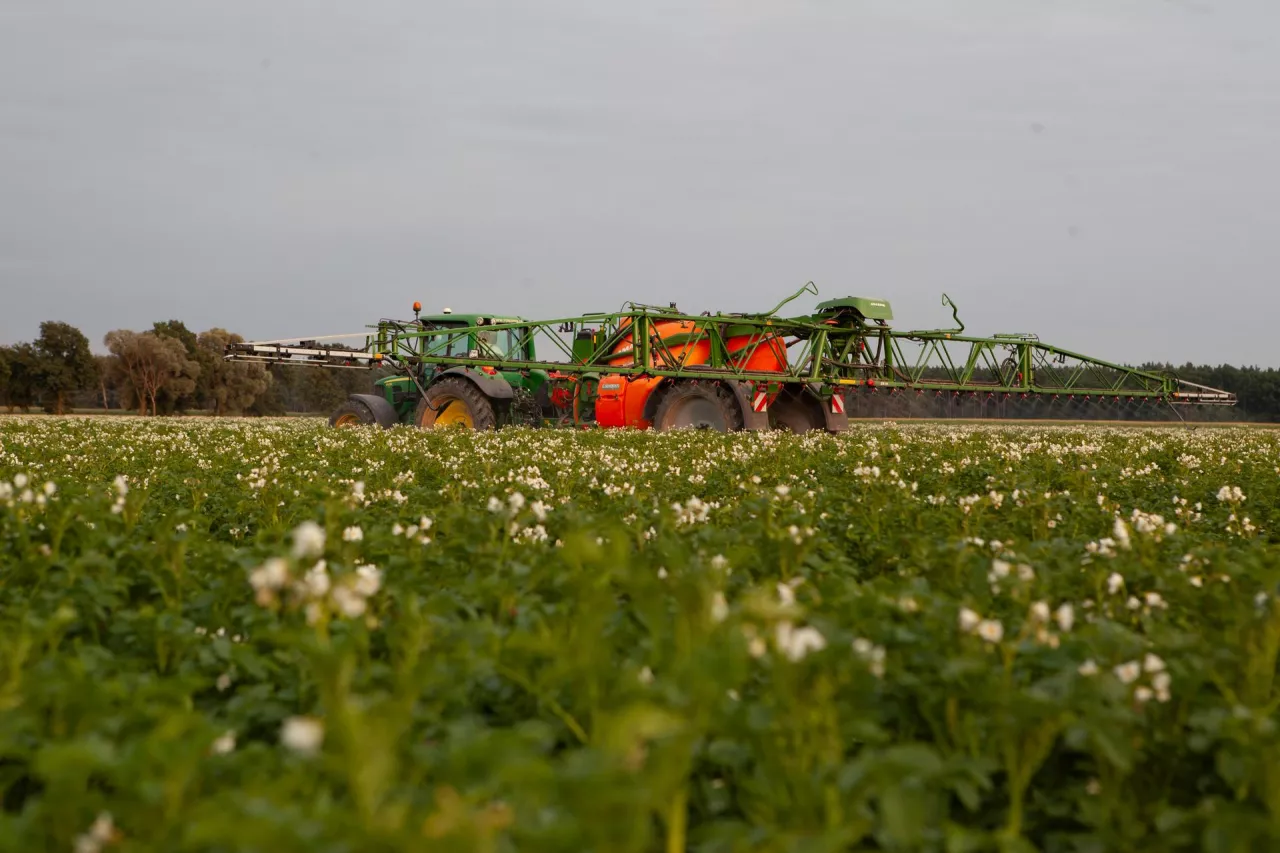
x: 352, y: 413
x: 698, y: 405
x: 455, y: 401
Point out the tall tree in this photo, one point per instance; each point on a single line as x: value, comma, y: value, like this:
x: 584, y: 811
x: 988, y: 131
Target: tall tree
x: 152, y: 364
x: 64, y: 364
x: 4, y: 373
x: 170, y: 399
x: 109, y: 379
x: 24, y: 376
x: 230, y: 387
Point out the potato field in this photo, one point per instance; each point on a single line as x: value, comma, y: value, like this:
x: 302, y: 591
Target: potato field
x: 234, y: 635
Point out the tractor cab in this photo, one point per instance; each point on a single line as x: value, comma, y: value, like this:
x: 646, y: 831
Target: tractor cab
x: 496, y: 344
x: 460, y: 345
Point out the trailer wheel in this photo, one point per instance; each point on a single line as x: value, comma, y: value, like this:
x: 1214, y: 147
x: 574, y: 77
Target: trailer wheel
x: 796, y: 413
x: 352, y: 413
x: 698, y: 405
x: 455, y: 401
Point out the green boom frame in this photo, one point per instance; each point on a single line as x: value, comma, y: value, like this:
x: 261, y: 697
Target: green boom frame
x: 837, y: 346
x: 845, y: 343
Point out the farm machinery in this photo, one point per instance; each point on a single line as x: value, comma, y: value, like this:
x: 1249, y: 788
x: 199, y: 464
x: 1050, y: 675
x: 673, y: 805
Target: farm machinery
x: 652, y: 367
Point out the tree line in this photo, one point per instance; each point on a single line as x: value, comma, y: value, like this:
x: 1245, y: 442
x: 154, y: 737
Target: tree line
x: 167, y: 369
x: 1257, y: 389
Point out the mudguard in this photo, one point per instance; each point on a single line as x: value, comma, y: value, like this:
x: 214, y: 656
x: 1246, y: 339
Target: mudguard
x: 383, y: 413
x: 492, y: 385
x: 651, y: 402
x: 752, y: 421
x: 834, y: 421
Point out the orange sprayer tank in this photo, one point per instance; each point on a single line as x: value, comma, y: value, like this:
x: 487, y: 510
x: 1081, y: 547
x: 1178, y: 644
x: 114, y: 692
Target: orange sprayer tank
x: 622, y: 400
x: 768, y: 356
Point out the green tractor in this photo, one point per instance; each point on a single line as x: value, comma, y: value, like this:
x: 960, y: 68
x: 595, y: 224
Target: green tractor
x: 476, y: 398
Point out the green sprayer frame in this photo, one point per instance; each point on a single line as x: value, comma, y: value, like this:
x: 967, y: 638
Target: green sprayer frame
x: 837, y: 346
x: 845, y: 346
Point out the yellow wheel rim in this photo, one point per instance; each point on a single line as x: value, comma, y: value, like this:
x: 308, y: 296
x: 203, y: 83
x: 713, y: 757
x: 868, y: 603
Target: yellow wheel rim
x: 346, y: 420
x: 453, y: 412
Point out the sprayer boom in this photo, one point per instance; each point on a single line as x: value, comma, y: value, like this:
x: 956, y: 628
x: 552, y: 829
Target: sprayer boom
x: 630, y: 368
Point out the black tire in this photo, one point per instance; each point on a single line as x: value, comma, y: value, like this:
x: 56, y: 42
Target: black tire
x: 698, y: 405
x: 352, y: 413
x: 798, y: 413
x: 455, y: 400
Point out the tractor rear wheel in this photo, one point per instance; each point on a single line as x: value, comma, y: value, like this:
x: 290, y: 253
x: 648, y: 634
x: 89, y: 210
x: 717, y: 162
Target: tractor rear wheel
x: 796, y: 413
x: 455, y: 401
x: 698, y: 405
x: 352, y: 413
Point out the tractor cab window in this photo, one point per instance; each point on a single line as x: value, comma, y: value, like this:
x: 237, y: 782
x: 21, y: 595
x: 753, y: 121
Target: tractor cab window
x: 445, y: 345
x: 500, y: 344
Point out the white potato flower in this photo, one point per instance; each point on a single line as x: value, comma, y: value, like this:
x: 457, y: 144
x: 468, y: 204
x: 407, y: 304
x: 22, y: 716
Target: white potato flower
x: 719, y: 607
x: 1128, y: 672
x: 991, y: 630
x: 302, y: 734
x: 270, y: 576
x: 225, y: 743
x: 796, y: 643
x: 308, y: 540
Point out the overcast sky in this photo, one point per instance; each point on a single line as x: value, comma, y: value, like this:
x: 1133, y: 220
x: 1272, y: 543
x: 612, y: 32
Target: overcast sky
x: 1103, y: 173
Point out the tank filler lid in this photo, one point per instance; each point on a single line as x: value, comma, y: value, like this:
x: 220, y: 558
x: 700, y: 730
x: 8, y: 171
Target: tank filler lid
x: 872, y: 309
